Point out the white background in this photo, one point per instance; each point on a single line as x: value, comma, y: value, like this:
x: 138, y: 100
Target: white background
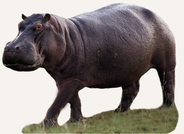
x: 26, y: 96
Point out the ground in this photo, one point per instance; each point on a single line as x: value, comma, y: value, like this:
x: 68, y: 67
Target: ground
x: 162, y: 120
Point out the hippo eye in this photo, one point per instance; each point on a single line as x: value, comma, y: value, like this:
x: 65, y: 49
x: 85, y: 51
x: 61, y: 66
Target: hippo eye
x: 38, y: 27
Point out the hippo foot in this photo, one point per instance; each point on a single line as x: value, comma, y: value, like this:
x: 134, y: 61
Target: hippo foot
x: 34, y: 128
x: 48, y: 123
x: 73, y: 120
x: 117, y: 110
x: 167, y: 106
x: 120, y: 109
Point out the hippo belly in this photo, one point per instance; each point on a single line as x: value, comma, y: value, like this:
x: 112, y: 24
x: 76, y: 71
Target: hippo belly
x: 120, y: 71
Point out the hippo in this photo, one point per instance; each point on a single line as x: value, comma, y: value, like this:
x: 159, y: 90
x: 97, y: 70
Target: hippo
x: 109, y: 47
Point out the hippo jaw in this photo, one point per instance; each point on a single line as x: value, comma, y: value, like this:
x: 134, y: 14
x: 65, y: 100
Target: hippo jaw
x: 22, y: 67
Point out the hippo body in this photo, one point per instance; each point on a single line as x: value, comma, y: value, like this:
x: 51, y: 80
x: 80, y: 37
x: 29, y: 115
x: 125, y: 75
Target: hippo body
x: 110, y: 47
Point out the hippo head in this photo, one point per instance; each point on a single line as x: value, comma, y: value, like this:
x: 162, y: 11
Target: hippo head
x: 35, y: 44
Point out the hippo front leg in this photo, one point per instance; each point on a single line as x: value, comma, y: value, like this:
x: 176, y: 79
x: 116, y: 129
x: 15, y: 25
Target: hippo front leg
x: 67, y: 90
x: 75, y: 104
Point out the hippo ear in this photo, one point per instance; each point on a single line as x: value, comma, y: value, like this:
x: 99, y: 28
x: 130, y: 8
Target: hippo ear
x: 23, y: 17
x: 47, y: 17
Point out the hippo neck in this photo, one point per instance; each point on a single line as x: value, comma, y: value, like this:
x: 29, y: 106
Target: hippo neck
x: 73, y: 58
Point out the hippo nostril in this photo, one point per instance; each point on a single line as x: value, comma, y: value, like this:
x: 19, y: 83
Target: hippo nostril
x: 17, y: 48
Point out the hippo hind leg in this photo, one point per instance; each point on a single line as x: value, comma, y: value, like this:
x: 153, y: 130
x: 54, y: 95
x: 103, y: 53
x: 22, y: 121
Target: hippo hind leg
x: 168, y: 86
x: 129, y: 94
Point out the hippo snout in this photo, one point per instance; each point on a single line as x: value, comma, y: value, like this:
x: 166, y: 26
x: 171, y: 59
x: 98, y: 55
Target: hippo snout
x: 20, y: 57
x: 10, y: 48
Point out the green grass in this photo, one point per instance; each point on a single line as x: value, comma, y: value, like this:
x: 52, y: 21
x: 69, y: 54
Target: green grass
x: 133, y: 121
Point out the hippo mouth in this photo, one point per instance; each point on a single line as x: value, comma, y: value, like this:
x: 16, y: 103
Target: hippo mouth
x: 21, y: 67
